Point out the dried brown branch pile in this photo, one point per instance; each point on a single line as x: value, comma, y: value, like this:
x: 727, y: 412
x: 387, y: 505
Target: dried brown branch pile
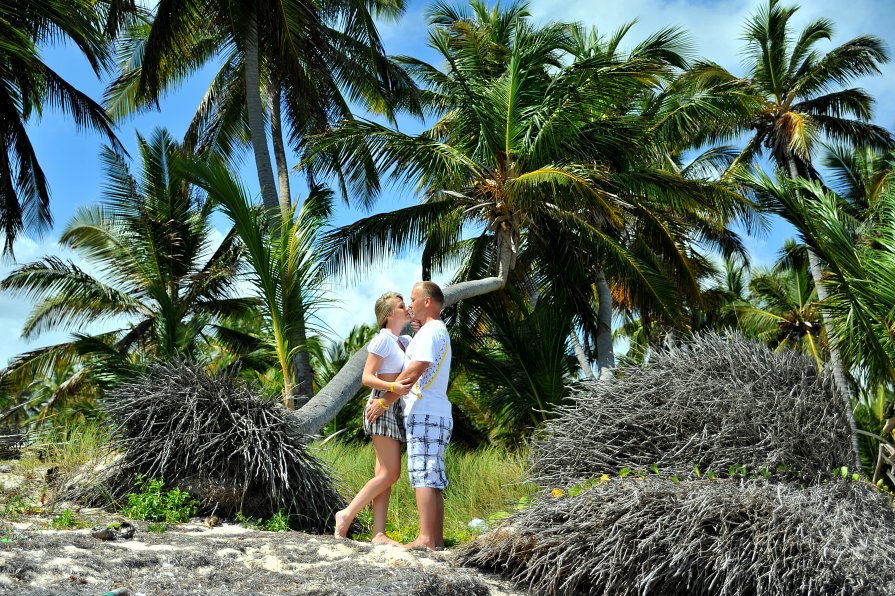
x: 216, y: 438
x: 652, y: 536
x: 713, y: 403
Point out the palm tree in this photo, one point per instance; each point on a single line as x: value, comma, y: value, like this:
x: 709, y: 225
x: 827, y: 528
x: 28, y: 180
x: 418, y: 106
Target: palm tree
x: 860, y: 259
x: 27, y: 87
x: 783, y: 311
x: 519, y: 360
x: 286, y: 265
x: 309, y: 59
x: 859, y: 176
x: 798, y: 99
x: 858, y: 255
x: 158, y: 275
x: 304, y: 60
x: 525, y: 152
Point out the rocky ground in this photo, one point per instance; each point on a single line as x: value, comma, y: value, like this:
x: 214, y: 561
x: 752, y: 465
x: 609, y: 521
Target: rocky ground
x: 225, y: 559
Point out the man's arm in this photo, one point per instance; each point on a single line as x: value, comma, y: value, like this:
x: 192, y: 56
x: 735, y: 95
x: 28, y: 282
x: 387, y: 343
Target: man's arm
x: 410, y: 375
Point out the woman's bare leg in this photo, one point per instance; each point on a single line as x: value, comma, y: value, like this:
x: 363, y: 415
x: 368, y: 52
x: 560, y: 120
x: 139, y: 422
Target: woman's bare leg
x: 388, y: 455
x: 387, y: 472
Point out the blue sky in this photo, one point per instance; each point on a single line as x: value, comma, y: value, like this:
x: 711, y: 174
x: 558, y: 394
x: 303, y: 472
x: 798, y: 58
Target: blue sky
x: 71, y: 158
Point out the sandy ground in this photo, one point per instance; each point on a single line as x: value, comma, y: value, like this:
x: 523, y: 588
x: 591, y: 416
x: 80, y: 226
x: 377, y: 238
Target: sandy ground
x: 227, y: 559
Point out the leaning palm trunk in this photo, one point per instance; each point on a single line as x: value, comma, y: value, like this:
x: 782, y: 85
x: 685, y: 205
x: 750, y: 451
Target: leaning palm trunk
x: 324, y: 406
x: 605, y: 353
x: 838, y: 370
x: 256, y: 117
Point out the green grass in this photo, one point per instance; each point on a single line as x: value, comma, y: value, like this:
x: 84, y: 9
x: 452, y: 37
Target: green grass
x: 67, y: 448
x: 482, y: 483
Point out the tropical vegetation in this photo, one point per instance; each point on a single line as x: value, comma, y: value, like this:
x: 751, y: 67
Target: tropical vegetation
x: 587, y: 194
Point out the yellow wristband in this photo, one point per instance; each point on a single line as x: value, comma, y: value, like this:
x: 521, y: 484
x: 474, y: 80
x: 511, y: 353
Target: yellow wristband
x: 391, y: 387
x: 382, y: 403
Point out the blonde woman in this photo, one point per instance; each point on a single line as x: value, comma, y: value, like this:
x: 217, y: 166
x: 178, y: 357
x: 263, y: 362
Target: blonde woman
x: 385, y: 361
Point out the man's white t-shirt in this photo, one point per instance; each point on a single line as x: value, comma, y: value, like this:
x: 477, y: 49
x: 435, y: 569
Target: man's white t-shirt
x: 431, y: 344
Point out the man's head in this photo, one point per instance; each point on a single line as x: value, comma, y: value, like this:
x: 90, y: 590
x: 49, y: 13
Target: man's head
x: 426, y: 300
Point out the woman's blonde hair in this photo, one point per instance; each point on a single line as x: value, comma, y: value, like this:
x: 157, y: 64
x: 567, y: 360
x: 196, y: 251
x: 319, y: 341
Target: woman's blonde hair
x: 385, y: 304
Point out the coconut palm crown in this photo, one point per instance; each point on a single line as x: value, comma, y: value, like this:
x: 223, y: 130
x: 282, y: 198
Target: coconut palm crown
x: 532, y: 153
x: 799, y: 89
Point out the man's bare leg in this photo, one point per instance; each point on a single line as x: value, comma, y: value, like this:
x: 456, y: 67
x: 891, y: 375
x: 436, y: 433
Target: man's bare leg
x: 430, y: 505
x: 439, y: 531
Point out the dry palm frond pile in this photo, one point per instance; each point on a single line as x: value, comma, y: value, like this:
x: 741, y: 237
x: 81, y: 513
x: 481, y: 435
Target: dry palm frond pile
x: 719, y: 404
x: 217, y: 439
x: 654, y: 536
x: 712, y: 403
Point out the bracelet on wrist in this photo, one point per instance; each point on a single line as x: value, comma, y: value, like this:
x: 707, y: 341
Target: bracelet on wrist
x: 382, y: 403
x: 391, y: 387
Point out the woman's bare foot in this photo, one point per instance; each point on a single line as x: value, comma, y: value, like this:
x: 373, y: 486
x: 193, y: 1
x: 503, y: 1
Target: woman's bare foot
x: 381, y: 538
x: 342, y: 524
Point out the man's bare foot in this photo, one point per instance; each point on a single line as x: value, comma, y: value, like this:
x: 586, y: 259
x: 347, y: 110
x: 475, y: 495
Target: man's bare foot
x: 342, y: 524
x: 381, y: 538
x: 420, y: 544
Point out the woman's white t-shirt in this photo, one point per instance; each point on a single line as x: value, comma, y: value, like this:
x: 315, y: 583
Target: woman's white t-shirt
x: 385, y: 344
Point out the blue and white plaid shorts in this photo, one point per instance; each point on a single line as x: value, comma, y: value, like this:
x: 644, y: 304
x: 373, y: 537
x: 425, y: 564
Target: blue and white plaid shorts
x: 427, y: 438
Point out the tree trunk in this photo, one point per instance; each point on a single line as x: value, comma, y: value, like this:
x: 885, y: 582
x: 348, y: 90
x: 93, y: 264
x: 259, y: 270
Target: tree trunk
x: 605, y: 352
x: 839, y: 377
x: 303, y: 373
x: 586, y: 369
x: 256, y: 118
x: 324, y: 406
x: 279, y: 149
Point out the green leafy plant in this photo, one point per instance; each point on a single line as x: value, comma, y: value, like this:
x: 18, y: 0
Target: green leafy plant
x: 17, y: 505
x: 157, y: 527
x: 152, y: 503
x: 247, y: 522
x: 66, y: 520
x: 279, y: 522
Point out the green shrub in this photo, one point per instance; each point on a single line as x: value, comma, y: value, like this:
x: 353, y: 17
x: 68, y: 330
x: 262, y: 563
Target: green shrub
x: 16, y: 505
x: 278, y: 522
x: 67, y: 520
x: 154, y: 504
